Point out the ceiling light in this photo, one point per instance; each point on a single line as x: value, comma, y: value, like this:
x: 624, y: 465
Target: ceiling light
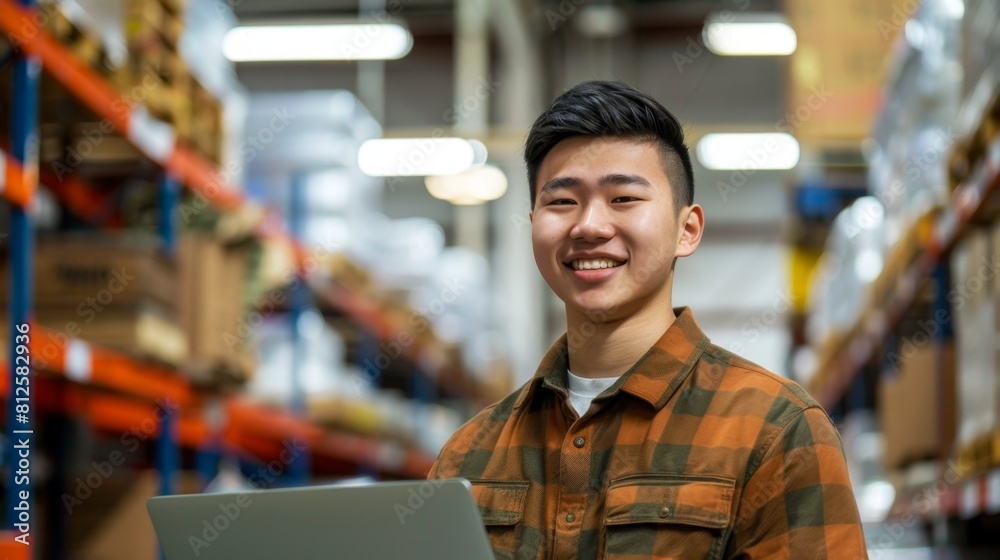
x: 748, y: 151
x: 749, y: 35
x: 406, y: 157
x: 601, y: 21
x: 387, y: 41
x: 476, y: 186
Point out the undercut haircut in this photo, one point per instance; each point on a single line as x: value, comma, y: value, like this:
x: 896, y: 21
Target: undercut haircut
x: 612, y: 109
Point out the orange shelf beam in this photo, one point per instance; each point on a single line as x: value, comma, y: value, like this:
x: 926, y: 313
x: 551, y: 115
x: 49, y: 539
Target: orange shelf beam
x: 18, y: 185
x: 203, y: 178
x: 13, y: 550
x: 113, y: 370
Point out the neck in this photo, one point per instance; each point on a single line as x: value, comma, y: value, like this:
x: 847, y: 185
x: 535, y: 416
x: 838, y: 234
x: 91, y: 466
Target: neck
x: 607, y: 348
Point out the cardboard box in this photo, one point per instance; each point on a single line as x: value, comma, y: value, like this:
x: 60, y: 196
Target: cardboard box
x: 112, y: 523
x: 914, y: 411
x: 100, y: 270
x: 974, y: 300
x: 213, y: 283
x: 145, y: 329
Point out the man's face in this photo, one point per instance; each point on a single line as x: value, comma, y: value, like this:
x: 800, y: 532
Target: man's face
x: 604, y: 229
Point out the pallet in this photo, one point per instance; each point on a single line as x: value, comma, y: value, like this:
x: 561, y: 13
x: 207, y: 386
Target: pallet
x: 980, y: 455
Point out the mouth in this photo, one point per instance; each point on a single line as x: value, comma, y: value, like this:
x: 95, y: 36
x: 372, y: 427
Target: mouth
x: 593, y: 264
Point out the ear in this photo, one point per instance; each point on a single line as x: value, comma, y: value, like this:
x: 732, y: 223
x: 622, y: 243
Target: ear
x: 692, y: 224
x: 531, y: 217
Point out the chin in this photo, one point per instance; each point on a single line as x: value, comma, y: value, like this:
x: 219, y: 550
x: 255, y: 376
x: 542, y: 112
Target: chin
x: 592, y: 306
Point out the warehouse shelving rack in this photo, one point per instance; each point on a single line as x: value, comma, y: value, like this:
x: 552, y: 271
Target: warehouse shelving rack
x: 113, y: 391
x: 838, y: 372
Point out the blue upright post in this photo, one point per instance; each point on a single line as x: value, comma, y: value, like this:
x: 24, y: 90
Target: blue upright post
x: 945, y: 335
x: 424, y: 393
x: 167, y: 453
x: 24, y: 151
x: 206, y: 462
x: 941, y: 531
x: 167, y: 450
x: 169, y: 197
x: 368, y: 362
x: 298, y: 470
x: 168, y: 446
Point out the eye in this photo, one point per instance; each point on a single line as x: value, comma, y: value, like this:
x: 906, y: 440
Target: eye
x: 562, y: 202
x: 625, y: 199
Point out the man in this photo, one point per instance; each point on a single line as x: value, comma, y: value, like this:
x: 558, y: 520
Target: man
x: 637, y: 437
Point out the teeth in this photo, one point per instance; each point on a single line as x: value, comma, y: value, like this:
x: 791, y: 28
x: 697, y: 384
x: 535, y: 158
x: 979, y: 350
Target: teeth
x: 591, y: 264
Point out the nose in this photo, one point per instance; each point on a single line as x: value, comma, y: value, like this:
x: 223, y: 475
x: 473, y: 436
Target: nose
x: 594, y: 223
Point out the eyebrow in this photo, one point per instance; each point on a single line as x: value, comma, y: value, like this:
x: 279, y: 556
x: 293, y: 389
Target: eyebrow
x: 610, y: 179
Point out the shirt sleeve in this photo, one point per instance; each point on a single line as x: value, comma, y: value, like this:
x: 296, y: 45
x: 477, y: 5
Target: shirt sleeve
x: 799, y: 502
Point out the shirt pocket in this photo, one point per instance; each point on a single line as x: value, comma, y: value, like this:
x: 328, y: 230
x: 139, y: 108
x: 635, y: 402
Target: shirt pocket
x: 501, y: 505
x: 667, y: 516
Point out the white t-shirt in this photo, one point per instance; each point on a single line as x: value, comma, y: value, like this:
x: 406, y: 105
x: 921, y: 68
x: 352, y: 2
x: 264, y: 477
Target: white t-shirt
x: 582, y: 390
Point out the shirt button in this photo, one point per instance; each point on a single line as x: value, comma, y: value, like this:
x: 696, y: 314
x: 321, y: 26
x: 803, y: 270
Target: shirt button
x: 570, y: 517
x: 665, y: 511
x: 578, y: 442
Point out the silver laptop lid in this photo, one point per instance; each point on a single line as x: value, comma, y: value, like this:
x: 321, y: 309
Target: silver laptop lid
x: 433, y: 520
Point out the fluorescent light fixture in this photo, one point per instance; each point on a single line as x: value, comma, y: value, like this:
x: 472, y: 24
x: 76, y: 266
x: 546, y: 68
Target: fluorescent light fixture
x: 480, y: 150
x: 749, y: 152
x: 601, y: 21
x: 345, y: 41
x: 408, y: 157
x: 749, y: 35
x: 476, y: 186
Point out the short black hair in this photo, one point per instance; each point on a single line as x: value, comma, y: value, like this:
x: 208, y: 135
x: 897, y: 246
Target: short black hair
x: 602, y: 108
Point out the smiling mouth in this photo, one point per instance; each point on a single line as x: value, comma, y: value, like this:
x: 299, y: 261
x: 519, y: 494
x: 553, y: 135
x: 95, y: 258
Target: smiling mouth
x: 593, y: 264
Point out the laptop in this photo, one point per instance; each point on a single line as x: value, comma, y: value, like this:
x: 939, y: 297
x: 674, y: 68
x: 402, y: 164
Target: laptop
x: 431, y: 519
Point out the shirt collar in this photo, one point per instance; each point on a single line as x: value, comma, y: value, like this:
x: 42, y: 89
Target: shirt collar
x: 654, y: 378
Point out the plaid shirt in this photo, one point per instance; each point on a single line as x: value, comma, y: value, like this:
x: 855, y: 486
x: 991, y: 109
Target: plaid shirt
x: 693, y: 453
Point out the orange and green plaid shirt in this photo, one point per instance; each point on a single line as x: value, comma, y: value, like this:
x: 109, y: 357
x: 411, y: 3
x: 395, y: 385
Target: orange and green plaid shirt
x: 693, y: 453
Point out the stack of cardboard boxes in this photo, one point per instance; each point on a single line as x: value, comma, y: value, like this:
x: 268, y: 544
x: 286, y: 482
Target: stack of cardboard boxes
x: 942, y: 400
x: 123, y: 292
x: 150, y: 70
x: 915, y: 412
x: 974, y: 297
x: 112, y: 290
